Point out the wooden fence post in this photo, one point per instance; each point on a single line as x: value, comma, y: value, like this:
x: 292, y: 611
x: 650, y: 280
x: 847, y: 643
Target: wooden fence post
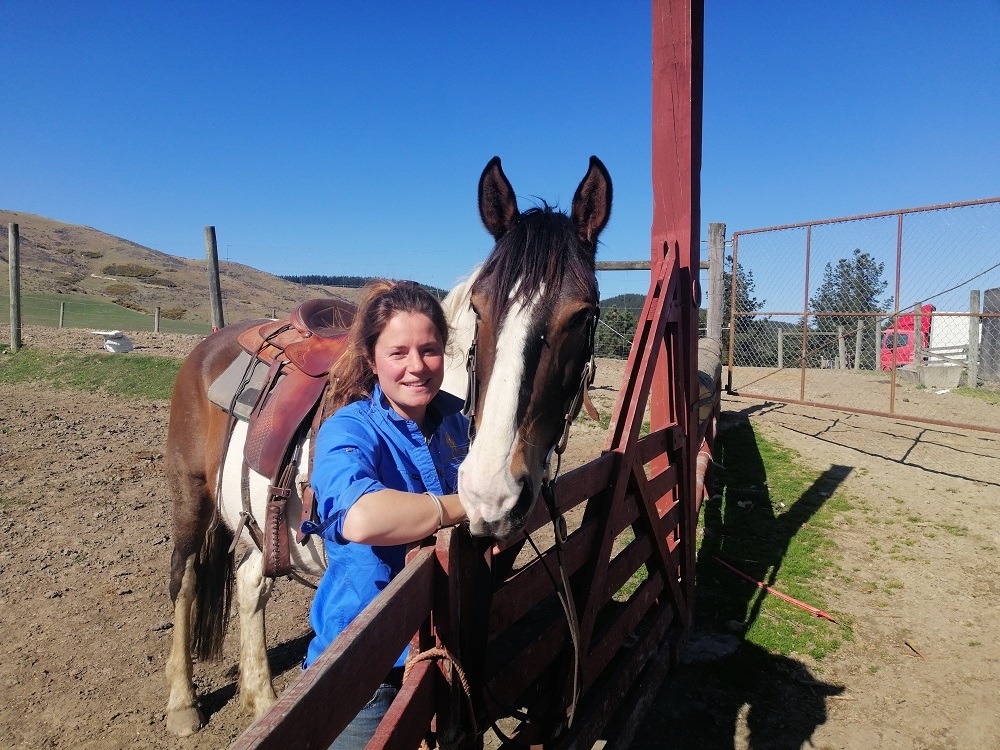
x: 857, y: 343
x: 156, y: 319
x: 677, y: 78
x: 14, y: 265
x: 841, y: 349
x: 918, y: 336
x: 62, y: 314
x: 214, y: 288
x: 716, y: 259
x: 877, y: 365
x: 972, y: 362
x: 781, y: 348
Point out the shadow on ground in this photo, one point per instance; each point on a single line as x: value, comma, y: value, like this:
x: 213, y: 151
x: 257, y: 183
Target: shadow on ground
x: 728, y: 692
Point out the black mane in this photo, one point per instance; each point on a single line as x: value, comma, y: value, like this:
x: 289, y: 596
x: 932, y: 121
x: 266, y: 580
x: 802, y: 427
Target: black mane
x: 542, y: 248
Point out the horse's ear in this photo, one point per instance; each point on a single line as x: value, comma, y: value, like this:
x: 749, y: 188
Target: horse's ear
x: 592, y: 202
x: 497, y: 202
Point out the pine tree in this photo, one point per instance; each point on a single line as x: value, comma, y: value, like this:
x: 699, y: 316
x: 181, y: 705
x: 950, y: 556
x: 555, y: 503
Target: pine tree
x: 852, y: 285
x: 615, y: 332
x: 753, y: 345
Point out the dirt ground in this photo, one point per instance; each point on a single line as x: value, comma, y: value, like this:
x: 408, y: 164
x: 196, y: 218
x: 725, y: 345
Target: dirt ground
x: 867, y: 391
x: 86, y: 619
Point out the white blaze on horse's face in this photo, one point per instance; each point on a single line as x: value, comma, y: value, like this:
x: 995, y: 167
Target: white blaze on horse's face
x: 491, y: 482
x: 536, y: 296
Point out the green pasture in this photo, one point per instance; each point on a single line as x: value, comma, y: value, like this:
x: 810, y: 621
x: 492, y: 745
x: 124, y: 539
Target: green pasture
x: 130, y: 375
x: 983, y: 394
x: 86, y: 312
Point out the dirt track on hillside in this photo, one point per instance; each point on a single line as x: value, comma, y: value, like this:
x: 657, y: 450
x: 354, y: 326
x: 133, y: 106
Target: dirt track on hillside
x: 87, y: 621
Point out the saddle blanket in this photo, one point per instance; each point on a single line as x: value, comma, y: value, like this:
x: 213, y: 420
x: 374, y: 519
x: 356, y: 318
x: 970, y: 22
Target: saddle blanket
x: 225, y: 387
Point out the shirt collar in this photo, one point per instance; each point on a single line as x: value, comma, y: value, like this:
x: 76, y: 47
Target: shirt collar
x: 441, y: 406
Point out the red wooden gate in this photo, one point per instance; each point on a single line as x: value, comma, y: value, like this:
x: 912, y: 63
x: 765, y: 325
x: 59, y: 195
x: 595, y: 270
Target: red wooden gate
x: 496, y: 640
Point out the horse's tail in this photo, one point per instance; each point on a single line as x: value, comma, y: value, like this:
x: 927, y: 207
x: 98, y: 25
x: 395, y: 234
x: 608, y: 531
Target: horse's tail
x: 214, y: 571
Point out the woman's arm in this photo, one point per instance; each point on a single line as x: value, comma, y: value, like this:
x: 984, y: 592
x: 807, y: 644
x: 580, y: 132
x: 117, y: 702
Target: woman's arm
x: 390, y: 517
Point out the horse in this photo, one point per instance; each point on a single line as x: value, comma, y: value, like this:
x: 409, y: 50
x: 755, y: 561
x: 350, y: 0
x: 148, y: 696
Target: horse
x: 536, y: 304
x: 520, y: 353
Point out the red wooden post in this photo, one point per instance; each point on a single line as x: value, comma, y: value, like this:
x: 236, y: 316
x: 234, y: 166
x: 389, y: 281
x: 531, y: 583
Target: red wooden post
x: 678, y: 30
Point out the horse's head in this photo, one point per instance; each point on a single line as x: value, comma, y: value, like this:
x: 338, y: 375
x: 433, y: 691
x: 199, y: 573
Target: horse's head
x: 536, y: 300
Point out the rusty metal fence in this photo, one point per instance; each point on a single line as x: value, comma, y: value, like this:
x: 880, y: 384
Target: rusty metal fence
x: 894, y: 313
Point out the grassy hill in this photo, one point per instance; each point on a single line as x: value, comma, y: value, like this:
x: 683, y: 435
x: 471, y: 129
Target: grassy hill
x: 83, y: 263
x: 92, y: 270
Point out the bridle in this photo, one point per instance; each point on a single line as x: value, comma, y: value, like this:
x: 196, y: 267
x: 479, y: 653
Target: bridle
x: 472, y: 390
x: 562, y: 587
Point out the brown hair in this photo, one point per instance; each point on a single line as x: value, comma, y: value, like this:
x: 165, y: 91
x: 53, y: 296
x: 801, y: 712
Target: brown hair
x: 351, y: 377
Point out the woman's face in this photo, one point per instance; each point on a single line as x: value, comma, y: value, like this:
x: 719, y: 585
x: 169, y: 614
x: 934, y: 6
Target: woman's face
x: 409, y: 363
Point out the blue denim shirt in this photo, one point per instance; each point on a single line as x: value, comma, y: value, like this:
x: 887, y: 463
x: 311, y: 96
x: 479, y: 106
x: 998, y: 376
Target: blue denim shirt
x: 366, y: 447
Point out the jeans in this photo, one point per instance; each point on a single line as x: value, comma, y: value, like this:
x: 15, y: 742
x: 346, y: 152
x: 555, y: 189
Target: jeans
x: 362, y: 728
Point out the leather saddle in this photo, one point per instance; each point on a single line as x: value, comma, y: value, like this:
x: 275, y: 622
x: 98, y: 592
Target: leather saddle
x: 297, y: 353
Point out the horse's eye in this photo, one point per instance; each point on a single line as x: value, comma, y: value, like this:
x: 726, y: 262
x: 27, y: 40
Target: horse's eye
x: 580, y: 318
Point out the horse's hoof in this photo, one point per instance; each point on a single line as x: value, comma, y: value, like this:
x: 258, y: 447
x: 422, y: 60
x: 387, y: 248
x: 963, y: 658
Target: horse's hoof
x: 184, y: 722
x: 259, y: 703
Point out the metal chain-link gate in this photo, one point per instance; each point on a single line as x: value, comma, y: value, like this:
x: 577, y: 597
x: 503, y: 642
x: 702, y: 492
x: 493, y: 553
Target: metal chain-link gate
x: 864, y: 313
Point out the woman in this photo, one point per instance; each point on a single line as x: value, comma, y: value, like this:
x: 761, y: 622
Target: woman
x: 386, y: 465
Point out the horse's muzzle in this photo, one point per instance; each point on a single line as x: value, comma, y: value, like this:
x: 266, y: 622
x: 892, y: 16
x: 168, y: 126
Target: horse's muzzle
x: 508, y: 524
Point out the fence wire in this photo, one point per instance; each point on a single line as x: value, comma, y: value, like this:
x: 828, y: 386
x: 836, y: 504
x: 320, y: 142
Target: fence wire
x: 45, y: 310
x: 846, y: 312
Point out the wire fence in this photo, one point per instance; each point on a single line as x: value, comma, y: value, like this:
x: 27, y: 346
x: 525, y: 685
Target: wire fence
x: 910, y: 296
x: 76, y: 312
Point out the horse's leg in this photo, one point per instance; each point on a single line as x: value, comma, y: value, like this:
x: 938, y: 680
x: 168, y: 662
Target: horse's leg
x: 201, y: 566
x: 183, y: 715
x: 200, y: 572
x: 188, y: 495
x: 252, y: 592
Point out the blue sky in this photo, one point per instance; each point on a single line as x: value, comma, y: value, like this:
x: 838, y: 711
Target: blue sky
x: 348, y: 138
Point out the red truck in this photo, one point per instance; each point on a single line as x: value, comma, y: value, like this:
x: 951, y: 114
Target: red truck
x: 944, y: 341
x: 901, y: 338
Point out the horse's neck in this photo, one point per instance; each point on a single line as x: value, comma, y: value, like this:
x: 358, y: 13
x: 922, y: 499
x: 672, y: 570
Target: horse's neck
x: 462, y: 320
